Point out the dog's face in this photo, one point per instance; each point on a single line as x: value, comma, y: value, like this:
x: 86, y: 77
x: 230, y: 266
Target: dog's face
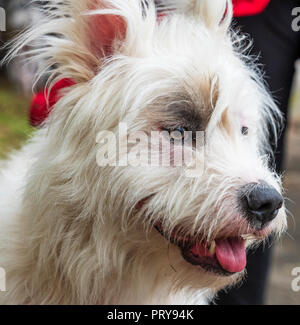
x: 200, y: 222
x: 180, y: 74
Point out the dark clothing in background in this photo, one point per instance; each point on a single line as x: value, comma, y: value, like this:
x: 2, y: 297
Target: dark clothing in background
x: 279, y: 48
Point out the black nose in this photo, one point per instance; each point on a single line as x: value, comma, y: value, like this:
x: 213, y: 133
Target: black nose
x: 261, y: 204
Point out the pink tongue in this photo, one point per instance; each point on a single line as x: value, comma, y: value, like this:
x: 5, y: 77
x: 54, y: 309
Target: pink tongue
x: 231, y: 254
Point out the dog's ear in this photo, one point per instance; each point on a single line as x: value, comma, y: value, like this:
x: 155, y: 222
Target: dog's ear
x: 216, y: 14
x: 74, y: 37
x: 97, y: 31
x: 104, y: 31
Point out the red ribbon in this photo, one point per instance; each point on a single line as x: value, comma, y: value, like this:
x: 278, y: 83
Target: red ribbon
x: 40, y: 107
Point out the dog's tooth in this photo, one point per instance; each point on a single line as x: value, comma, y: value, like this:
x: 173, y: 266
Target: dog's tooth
x: 212, y: 248
x: 246, y: 236
x: 247, y: 242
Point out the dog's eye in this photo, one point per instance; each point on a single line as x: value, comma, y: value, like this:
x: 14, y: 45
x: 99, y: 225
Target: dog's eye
x: 245, y: 130
x: 177, y: 134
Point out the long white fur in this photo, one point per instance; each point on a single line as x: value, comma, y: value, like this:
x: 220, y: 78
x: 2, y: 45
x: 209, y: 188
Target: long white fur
x: 69, y: 231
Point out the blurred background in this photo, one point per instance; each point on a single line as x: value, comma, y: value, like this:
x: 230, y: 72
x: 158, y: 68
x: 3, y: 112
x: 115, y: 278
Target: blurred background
x: 16, y: 83
x: 287, y: 252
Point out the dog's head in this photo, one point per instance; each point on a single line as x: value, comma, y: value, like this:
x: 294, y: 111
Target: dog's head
x: 181, y: 73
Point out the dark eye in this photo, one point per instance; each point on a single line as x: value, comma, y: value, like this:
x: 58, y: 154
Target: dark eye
x: 177, y: 134
x: 245, y: 130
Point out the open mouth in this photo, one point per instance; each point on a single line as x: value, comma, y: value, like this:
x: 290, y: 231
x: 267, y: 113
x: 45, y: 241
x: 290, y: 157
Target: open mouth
x: 223, y: 256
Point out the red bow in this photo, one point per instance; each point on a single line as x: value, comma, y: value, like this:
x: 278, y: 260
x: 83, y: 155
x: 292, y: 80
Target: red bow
x: 40, y: 107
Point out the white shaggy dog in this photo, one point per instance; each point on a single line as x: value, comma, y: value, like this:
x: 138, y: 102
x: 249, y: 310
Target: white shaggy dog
x: 72, y: 232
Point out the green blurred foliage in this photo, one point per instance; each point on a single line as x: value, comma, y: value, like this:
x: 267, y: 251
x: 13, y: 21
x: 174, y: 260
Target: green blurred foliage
x: 14, y: 126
